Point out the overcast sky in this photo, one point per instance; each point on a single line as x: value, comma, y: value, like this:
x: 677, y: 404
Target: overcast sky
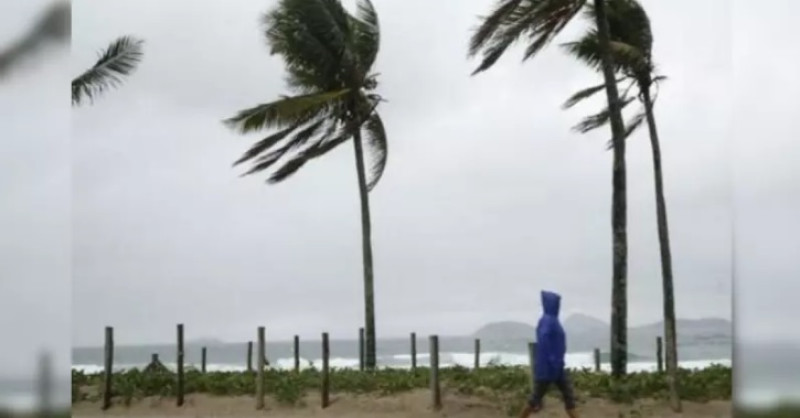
x: 488, y: 196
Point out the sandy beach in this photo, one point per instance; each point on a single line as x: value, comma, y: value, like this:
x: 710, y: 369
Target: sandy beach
x: 407, y: 405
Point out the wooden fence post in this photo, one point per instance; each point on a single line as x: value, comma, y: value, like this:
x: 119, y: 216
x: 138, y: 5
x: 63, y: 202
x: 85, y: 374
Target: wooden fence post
x: 179, y: 362
x: 659, y: 354
x: 108, y: 372
x: 597, y: 360
x: 260, y: 369
x: 532, y: 360
x: 249, y: 356
x: 436, y: 390
x: 203, y: 360
x: 361, y: 349
x: 326, y: 379
x: 45, y: 385
x: 477, y: 353
x: 414, y: 352
x: 296, y: 353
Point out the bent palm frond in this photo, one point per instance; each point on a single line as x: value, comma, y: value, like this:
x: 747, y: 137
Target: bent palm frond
x: 539, y: 21
x: 285, y: 112
x: 601, y: 118
x: 374, y: 136
x: 116, y: 62
x: 630, y: 127
x: 366, y: 34
x: 585, y: 94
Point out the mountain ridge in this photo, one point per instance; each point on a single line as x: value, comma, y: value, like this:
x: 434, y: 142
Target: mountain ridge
x: 585, y: 332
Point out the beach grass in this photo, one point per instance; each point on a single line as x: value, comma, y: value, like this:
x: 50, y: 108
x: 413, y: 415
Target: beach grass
x: 506, y: 386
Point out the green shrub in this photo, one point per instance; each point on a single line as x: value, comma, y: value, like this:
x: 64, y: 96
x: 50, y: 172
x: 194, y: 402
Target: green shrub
x: 507, y: 385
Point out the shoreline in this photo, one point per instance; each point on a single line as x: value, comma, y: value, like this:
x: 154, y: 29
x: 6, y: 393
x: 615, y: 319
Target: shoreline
x: 460, y: 360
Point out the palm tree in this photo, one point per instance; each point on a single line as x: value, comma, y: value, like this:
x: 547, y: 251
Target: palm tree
x: 117, y: 61
x: 539, y: 21
x: 632, y: 45
x: 329, y: 54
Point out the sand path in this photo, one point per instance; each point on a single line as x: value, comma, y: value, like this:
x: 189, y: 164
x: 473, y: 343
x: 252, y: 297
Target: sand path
x: 407, y: 405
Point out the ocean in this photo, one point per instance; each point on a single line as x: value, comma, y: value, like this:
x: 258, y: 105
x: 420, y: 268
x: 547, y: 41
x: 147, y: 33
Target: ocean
x: 394, y: 352
x: 764, y: 373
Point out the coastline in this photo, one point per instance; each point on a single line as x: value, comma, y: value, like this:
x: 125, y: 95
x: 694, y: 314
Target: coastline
x: 491, y: 391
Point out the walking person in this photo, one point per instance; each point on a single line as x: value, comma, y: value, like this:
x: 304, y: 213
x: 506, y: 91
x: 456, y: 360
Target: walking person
x: 548, y: 368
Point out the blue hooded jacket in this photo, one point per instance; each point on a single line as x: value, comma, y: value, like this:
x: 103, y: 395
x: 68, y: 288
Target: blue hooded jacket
x: 551, y: 341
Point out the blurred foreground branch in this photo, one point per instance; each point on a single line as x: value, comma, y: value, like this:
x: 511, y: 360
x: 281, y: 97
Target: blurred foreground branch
x: 53, y: 26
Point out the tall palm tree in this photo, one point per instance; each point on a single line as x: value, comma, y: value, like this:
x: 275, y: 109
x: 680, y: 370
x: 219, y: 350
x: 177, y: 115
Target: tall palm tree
x: 539, y: 21
x: 329, y: 54
x: 117, y: 61
x: 632, y: 45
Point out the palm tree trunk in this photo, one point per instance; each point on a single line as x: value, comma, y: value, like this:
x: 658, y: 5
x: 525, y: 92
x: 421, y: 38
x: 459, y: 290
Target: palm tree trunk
x: 670, y: 334
x: 366, y: 242
x: 619, y: 209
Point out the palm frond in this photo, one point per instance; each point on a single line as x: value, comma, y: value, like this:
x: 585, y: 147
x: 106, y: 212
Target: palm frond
x: 491, y: 25
x: 585, y: 94
x: 298, y: 137
x: 366, y: 34
x: 116, y: 62
x: 374, y: 136
x: 287, y: 111
x: 327, y: 143
x: 308, y: 35
x: 261, y: 146
x: 630, y: 35
x: 554, y: 19
x: 540, y: 20
x: 629, y: 57
x: 601, y: 118
x: 328, y: 55
x: 510, y: 29
x: 632, y: 126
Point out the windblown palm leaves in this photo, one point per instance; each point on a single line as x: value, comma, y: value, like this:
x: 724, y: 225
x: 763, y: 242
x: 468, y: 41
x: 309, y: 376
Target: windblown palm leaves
x: 631, y: 46
x: 116, y: 62
x: 539, y: 21
x: 329, y: 54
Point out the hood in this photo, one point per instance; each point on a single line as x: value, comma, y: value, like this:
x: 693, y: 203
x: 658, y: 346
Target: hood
x: 551, y: 302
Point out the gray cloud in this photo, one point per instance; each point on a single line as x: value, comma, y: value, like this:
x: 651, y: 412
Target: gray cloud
x: 488, y: 196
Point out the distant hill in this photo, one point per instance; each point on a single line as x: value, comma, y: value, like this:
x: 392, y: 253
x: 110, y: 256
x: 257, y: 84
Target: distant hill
x: 584, y: 333
x: 507, y: 330
x: 205, y: 341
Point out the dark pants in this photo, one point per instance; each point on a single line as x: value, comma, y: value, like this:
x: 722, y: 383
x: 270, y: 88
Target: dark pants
x: 540, y: 388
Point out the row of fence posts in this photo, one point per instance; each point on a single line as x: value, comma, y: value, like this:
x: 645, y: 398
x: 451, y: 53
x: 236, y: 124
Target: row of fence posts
x: 436, y: 395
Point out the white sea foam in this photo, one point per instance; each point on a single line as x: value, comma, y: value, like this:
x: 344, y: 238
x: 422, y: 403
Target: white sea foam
x: 446, y: 359
x: 26, y: 402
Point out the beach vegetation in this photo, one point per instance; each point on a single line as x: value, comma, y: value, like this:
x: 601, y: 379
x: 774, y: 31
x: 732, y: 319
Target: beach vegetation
x: 506, y: 386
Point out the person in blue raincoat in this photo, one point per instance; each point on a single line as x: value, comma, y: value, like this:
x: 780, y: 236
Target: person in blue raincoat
x: 548, y: 368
